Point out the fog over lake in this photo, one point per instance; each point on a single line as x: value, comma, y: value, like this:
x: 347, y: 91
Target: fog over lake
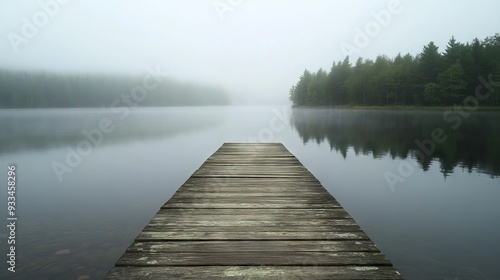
x: 430, y: 223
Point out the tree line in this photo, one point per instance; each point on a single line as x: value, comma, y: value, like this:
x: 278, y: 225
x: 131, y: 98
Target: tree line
x: 430, y: 78
x: 20, y: 89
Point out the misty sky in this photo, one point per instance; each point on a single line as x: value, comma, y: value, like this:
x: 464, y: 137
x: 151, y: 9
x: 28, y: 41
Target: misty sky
x: 253, y: 48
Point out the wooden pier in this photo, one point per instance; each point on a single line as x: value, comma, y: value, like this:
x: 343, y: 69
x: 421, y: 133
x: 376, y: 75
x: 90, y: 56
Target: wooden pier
x: 252, y: 211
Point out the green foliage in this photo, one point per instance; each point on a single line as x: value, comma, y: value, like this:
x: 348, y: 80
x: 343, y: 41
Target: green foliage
x: 430, y: 64
x: 42, y: 90
x: 452, y: 84
x: 453, y: 52
x: 336, y: 83
x: 429, y: 78
x: 432, y: 94
x: 298, y: 93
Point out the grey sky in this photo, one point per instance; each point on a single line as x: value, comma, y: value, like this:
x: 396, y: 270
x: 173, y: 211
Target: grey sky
x: 256, y: 48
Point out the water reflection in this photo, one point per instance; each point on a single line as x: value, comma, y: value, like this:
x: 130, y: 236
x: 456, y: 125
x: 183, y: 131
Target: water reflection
x: 24, y: 130
x: 474, y: 145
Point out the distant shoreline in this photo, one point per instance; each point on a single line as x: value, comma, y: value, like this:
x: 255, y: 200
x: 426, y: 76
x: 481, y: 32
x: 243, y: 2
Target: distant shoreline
x: 400, y: 108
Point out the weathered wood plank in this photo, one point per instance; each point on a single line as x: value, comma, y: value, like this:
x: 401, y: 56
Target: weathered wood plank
x: 245, y: 235
x: 253, y: 195
x: 255, y: 182
x: 301, y: 177
x: 264, y: 218
x: 214, y: 172
x: 253, y: 258
x: 251, y: 162
x: 265, y: 200
x: 221, y: 187
x: 276, y: 168
x: 262, y: 205
x: 255, y: 192
x: 261, y: 246
x: 254, y: 214
x: 159, y: 221
x: 254, y: 272
x: 271, y: 154
x: 297, y: 213
x: 288, y: 228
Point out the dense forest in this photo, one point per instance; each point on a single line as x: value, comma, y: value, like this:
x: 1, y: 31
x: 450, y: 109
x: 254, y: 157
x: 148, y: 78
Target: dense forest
x: 50, y: 90
x: 430, y: 78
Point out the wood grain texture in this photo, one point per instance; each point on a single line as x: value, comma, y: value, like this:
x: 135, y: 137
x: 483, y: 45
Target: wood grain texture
x: 250, y: 235
x: 256, y: 258
x: 254, y: 272
x: 254, y: 246
x: 252, y: 211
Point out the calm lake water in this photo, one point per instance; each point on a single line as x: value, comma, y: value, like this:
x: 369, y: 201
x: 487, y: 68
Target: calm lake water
x: 85, y: 192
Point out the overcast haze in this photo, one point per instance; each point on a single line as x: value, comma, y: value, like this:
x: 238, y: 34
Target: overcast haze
x: 257, y: 49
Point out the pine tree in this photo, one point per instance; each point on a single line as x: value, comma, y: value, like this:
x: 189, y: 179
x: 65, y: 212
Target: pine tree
x: 453, y: 53
x: 452, y: 84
